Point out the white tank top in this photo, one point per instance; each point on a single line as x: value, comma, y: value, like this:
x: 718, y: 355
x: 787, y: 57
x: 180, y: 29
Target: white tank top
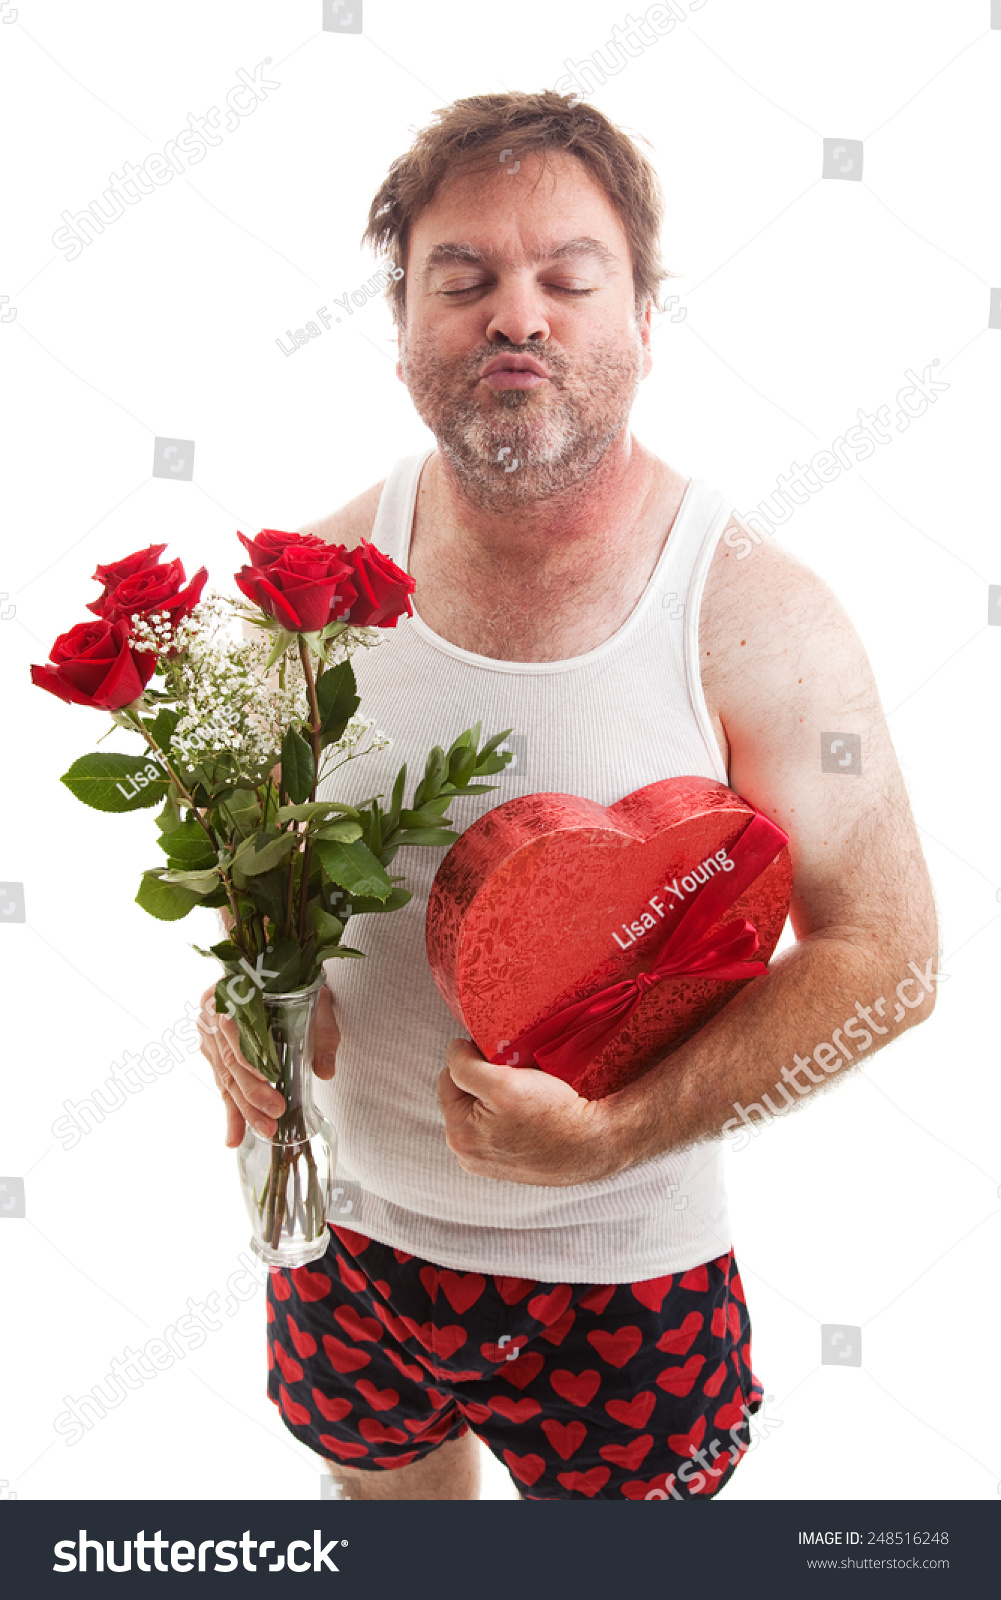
x: 599, y: 725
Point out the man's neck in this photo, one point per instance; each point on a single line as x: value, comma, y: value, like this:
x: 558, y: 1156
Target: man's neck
x: 590, y: 517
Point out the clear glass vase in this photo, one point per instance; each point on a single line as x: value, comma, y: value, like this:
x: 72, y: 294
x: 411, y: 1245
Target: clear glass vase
x: 288, y: 1180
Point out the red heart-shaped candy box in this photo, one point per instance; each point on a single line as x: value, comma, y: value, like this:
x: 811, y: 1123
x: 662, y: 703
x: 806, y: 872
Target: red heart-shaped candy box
x: 531, y: 908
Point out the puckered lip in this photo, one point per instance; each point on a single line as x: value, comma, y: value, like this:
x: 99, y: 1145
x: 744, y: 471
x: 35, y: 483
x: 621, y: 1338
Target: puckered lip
x: 511, y: 363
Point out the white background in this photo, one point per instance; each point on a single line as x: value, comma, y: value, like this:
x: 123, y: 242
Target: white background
x: 805, y: 299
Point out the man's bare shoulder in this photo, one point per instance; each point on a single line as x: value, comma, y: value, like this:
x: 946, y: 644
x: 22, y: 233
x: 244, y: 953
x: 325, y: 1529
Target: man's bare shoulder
x: 351, y: 523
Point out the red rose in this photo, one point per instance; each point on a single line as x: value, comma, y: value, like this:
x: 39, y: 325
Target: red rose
x: 113, y: 574
x: 270, y: 543
x: 302, y: 588
x: 384, y: 589
x: 95, y: 665
x: 157, y: 588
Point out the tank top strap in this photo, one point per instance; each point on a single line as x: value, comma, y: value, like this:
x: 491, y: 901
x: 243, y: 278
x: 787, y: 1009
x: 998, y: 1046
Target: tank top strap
x: 394, y: 515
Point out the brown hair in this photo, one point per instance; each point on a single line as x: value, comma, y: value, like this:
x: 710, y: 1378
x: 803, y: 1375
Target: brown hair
x: 469, y: 135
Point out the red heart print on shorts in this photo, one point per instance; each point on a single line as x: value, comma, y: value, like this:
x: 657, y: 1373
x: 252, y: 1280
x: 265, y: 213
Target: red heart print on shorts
x: 389, y: 1462
x: 684, y: 1443
x: 511, y: 1290
x: 628, y: 1455
x: 291, y: 1370
x: 585, y: 1482
x: 678, y: 1341
x: 557, y: 1331
x: 377, y: 1433
x: 550, y: 1307
x: 462, y: 1290
x: 378, y: 1399
x: 341, y: 1357
x: 280, y: 1286
x: 679, y: 1380
x: 514, y: 1410
x: 655, y: 1489
x: 714, y: 1382
x: 616, y: 1348
x: 730, y: 1414
x: 527, y: 1469
x: 311, y: 1285
x: 521, y: 1372
x: 597, y: 1299
x: 341, y: 1448
x: 305, y: 1344
x: 408, y: 1368
x: 355, y: 1242
x: 633, y: 1413
x: 350, y: 1277
x: 505, y: 1351
x: 579, y: 1388
x: 651, y: 1292
x: 333, y: 1406
x: 565, y: 1438
x: 476, y: 1414
x: 297, y: 1414
x: 361, y: 1329
x: 697, y: 1278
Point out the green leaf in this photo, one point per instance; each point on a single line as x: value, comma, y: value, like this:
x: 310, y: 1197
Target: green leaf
x: 461, y: 766
x: 298, y: 767
x: 252, y: 1020
x: 491, y: 744
x: 198, y: 883
x: 434, y: 773
x: 169, y: 819
x: 284, y: 959
x: 251, y: 860
x: 354, y: 867
x: 161, y: 727
x: 241, y: 810
x: 166, y: 901
x: 267, y: 893
x: 313, y: 808
x: 346, y: 830
x: 337, y: 699
x: 328, y: 928
x: 426, y: 836
x: 112, y: 782
x: 364, y: 905
x: 429, y: 815
x: 188, y: 846
x: 282, y: 641
x: 396, y: 802
x: 331, y: 952
x: 225, y: 950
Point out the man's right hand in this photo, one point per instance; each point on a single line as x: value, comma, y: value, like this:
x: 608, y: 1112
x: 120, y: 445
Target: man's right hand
x: 247, y: 1094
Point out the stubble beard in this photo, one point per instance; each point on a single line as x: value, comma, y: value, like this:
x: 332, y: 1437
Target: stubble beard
x: 557, y: 434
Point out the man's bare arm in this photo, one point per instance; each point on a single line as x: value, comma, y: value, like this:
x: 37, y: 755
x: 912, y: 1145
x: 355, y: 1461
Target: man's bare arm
x: 352, y: 522
x: 782, y: 666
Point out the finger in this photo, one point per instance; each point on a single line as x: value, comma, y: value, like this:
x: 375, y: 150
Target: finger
x: 471, y: 1072
x: 326, y: 1036
x: 254, y: 1085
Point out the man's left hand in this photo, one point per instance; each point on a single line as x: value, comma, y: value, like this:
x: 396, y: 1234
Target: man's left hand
x: 520, y: 1124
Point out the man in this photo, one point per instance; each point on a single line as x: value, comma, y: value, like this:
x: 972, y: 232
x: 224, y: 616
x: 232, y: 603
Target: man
x: 552, y: 1274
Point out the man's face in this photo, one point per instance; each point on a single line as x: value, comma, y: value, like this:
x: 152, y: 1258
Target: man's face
x: 527, y: 270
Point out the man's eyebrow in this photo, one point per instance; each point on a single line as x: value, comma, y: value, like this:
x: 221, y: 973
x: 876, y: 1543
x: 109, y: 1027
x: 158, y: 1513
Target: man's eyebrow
x: 446, y: 252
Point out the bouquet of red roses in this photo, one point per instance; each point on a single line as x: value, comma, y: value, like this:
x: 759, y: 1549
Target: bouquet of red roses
x: 241, y: 729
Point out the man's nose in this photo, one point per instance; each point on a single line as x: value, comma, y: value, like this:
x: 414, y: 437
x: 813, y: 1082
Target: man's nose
x: 516, y: 314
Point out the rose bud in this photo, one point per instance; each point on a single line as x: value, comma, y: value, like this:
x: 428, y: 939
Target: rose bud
x: 266, y: 547
x: 95, y: 665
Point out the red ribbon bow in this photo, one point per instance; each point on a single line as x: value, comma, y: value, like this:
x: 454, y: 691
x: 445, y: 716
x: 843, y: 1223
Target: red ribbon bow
x: 566, y: 1042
